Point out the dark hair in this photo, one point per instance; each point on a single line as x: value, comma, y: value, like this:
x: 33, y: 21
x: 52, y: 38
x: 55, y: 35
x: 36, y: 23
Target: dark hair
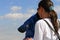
x: 46, y: 4
x: 54, y: 18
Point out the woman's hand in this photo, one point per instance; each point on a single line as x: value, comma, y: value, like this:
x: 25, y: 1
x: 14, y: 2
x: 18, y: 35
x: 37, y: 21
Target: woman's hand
x: 28, y: 39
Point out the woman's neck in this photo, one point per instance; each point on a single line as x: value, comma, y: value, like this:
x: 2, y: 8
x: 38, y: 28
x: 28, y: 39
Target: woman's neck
x: 45, y: 15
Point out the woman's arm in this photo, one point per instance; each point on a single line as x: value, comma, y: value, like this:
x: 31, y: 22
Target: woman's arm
x: 27, y: 39
x: 38, y: 31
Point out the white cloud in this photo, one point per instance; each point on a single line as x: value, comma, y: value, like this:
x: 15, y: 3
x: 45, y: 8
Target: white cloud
x: 16, y: 8
x: 15, y: 16
x: 12, y: 16
x: 31, y: 11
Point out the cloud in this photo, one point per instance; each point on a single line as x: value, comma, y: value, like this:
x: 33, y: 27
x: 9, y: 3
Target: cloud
x: 17, y: 15
x: 31, y: 11
x: 11, y: 16
x: 16, y: 8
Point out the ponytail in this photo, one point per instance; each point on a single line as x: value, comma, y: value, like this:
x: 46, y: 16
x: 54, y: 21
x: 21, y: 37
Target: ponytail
x: 54, y: 18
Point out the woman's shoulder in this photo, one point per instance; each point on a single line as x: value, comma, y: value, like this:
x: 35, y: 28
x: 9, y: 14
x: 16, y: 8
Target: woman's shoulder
x: 42, y: 20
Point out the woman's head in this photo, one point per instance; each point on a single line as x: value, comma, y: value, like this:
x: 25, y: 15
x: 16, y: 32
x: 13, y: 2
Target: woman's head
x: 46, y: 4
x: 44, y: 7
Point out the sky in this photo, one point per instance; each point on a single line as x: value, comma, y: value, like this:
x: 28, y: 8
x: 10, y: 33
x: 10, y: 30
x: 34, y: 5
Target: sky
x: 13, y: 13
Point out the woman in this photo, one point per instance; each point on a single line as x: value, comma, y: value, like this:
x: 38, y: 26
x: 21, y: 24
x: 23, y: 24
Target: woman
x: 42, y: 29
x: 42, y: 7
